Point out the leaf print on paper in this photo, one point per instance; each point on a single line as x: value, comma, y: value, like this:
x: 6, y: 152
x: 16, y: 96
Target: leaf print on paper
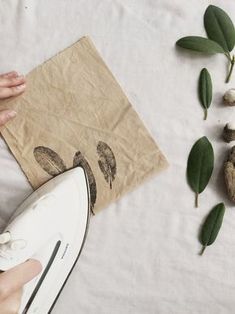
x: 107, y: 162
x: 49, y: 160
x: 80, y: 160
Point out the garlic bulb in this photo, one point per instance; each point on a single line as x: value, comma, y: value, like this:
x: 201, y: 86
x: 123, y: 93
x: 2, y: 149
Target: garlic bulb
x: 229, y: 97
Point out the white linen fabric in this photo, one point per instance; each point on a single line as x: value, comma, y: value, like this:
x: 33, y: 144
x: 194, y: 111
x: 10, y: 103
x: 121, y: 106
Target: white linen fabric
x: 141, y: 255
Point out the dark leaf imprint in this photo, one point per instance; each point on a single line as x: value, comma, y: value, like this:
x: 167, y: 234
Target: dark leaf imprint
x: 79, y: 160
x: 107, y: 162
x: 49, y: 160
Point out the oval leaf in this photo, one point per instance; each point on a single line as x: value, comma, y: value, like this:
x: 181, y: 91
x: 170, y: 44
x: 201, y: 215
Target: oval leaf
x: 211, y: 226
x: 199, y: 44
x: 107, y: 162
x: 205, y: 90
x: 200, y: 166
x: 219, y: 27
x: 80, y: 160
x: 49, y: 160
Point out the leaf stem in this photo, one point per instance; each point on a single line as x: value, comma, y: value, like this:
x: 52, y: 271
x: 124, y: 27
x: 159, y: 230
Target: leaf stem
x: 205, y: 114
x: 203, y: 249
x: 232, y: 61
x: 196, y: 200
x: 227, y: 54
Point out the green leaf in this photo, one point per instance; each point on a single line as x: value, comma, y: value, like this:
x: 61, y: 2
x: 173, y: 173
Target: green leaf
x: 211, y: 226
x: 219, y: 27
x: 199, y: 44
x: 205, y: 90
x: 200, y: 166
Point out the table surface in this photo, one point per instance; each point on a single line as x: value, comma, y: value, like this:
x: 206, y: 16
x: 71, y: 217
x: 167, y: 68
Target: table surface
x: 141, y: 255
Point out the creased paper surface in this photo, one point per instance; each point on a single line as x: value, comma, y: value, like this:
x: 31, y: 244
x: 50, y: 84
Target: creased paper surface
x: 75, y: 113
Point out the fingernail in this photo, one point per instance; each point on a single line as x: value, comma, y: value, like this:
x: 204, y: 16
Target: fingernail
x: 20, y: 77
x: 12, y: 114
x: 22, y: 86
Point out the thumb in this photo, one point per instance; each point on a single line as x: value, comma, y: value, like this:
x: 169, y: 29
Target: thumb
x: 6, y: 115
x: 15, y: 278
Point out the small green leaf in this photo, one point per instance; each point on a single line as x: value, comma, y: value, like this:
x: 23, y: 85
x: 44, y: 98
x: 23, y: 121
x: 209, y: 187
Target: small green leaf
x: 205, y: 90
x: 200, y: 166
x: 211, y: 226
x: 199, y: 44
x: 219, y: 27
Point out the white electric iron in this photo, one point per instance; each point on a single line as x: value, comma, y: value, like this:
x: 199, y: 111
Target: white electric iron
x: 50, y: 226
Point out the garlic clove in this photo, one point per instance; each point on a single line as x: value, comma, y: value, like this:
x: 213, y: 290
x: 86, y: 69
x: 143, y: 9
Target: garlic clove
x: 229, y: 97
x: 231, y: 125
x: 229, y: 132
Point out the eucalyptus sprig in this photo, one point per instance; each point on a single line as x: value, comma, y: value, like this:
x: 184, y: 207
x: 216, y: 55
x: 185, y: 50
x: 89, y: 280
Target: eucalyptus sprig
x: 221, y: 37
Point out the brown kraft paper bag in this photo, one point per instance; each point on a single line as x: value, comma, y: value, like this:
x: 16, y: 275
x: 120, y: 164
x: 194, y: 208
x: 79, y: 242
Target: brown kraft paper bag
x: 75, y: 113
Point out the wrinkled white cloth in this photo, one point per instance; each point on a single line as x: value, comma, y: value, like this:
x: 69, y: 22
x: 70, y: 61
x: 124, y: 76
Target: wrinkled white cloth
x: 141, y: 255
